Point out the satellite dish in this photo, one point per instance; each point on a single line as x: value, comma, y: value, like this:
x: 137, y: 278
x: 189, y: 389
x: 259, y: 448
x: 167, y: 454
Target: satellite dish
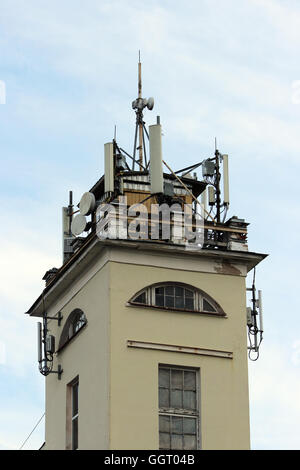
x: 150, y: 103
x: 78, y: 224
x: 87, y: 203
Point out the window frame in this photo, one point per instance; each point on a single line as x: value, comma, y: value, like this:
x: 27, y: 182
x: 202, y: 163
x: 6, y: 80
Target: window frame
x: 199, y: 296
x: 70, y: 416
x: 65, y: 337
x: 75, y: 417
x: 181, y: 412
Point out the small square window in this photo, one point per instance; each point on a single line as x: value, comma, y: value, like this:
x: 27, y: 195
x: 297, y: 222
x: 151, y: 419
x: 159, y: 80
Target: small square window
x: 176, y: 399
x: 189, y: 303
x: 164, y: 378
x: 164, y: 423
x: 169, y: 290
x: 177, y: 379
x: 159, y: 300
x: 179, y: 291
x: 179, y: 302
x: 164, y: 398
x: 176, y: 425
x: 169, y: 301
x: 164, y: 440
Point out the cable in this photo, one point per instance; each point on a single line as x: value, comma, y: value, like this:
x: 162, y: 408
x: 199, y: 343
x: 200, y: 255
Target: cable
x: 32, y: 431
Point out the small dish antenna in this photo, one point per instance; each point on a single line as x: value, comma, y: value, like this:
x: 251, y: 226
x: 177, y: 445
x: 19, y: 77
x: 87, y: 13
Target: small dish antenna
x: 79, y: 224
x: 87, y: 204
x: 150, y: 103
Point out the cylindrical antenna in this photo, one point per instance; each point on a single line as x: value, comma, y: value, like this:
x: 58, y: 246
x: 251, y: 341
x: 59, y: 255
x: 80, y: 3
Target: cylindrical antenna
x: 39, y: 338
x: 156, y: 169
x: 225, y: 180
x: 261, y: 324
x: 204, y: 203
x: 211, y: 196
x: 108, y: 167
x: 140, y: 123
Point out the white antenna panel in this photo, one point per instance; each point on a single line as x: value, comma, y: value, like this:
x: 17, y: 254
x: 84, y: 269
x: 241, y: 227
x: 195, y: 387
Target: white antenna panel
x: 87, y: 203
x: 261, y: 324
x: 156, y: 168
x: 225, y: 180
x: 78, y: 224
x: 39, y: 335
x: 204, y: 203
x: 109, y: 167
x: 211, y: 195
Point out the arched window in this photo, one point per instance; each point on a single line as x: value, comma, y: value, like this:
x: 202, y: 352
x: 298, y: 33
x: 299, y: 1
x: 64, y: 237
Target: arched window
x: 177, y: 296
x: 75, y: 322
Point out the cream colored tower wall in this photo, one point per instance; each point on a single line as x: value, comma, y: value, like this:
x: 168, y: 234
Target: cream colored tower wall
x: 224, y: 407
x: 118, y: 385
x: 87, y: 356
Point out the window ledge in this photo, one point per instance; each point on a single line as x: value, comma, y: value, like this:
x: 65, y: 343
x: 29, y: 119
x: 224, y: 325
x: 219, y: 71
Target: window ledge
x: 173, y: 309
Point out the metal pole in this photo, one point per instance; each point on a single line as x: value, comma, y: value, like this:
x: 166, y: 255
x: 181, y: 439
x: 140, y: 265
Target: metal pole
x: 140, y: 116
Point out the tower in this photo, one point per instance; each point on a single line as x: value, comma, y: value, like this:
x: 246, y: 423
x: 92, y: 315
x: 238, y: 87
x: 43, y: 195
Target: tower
x: 142, y: 331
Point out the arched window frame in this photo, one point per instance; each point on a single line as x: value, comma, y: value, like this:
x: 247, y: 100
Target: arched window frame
x: 200, y: 298
x: 74, y: 324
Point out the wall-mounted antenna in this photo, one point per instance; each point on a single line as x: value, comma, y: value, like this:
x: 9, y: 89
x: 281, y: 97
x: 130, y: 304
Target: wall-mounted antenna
x: 225, y: 180
x: 156, y: 166
x: 138, y: 105
x: 67, y: 237
x: 255, y: 330
x: 46, y: 345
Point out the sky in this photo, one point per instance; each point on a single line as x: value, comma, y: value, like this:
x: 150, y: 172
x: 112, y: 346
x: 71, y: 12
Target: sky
x: 68, y: 76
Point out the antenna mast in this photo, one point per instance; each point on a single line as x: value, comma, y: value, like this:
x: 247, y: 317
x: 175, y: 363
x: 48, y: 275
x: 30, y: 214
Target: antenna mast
x: 138, y: 105
x: 140, y: 124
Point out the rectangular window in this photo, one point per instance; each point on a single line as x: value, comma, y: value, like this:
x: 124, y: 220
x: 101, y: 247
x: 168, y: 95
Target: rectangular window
x: 178, y: 408
x: 75, y: 390
x: 72, y: 415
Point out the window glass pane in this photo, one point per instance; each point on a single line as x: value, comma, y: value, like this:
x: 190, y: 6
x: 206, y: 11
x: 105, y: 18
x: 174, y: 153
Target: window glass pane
x: 176, y: 399
x: 164, y: 378
x: 189, y: 442
x: 177, y: 379
x: 189, y: 380
x: 189, y: 400
x: 169, y: 290
x: 179, y: 302
x: 176, y: 425
x: 179, y: 291
x: 164, y: 423
x: 176, y: 441
x: 75, y: 399
x: 141, y: 299
x: 164, y: 400
x: 169, y: 301
x: 189, y: 426
x: 75, y: 434
x: 159, y: 290
x: 164, y: 440
x: 189, y: 303
x: 159, y: 300
x: 207, y: 307
x: 188, y: 293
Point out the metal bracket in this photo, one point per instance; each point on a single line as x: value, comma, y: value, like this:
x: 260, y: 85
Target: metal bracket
x: 59, y: 371
x: 58, y: 318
